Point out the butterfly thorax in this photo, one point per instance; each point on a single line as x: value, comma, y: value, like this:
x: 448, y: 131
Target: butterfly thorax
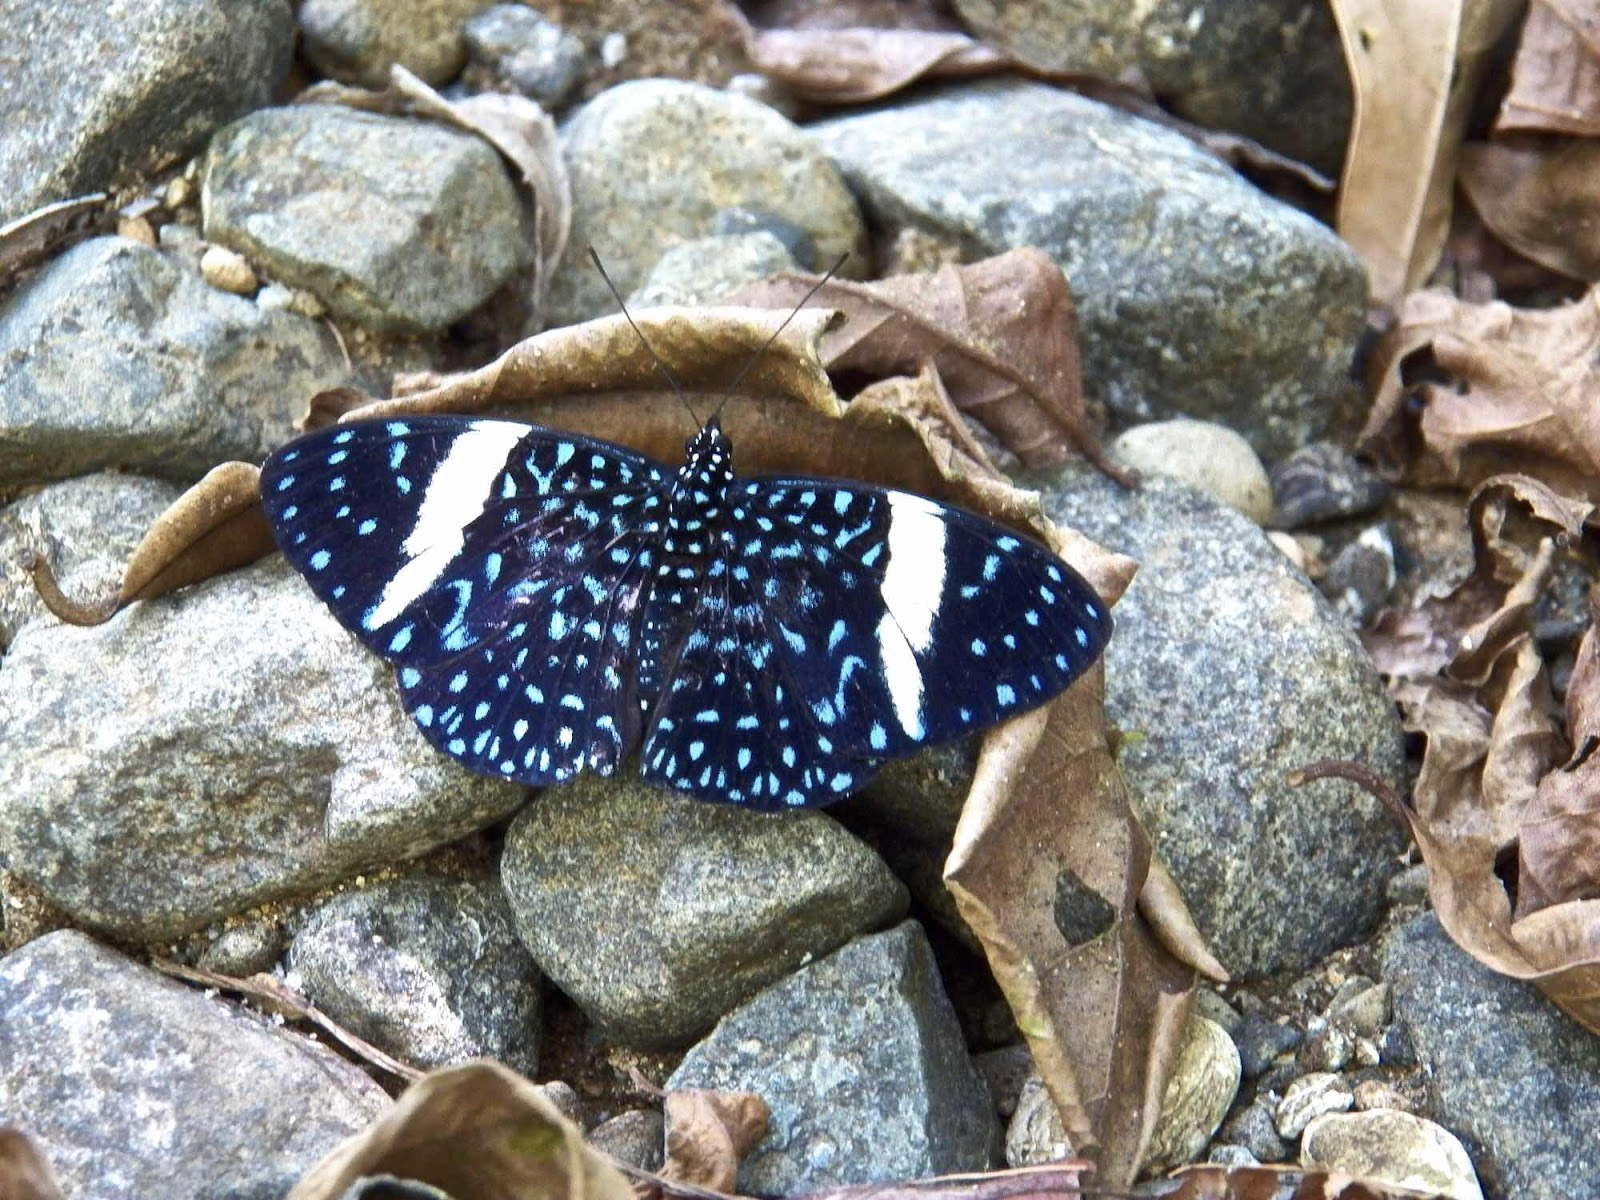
x: 690, y: 554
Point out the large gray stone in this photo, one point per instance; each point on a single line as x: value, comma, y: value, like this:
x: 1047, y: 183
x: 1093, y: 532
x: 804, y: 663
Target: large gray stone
x: 1510, y: 1075
x: 1257, y: 332
x: 654, y: 162
x: 1228, y: 669
x: 90, y: 94
x: 1272, y: 69
x: 132, y: 1084
x: 429, y: 969
x: 216, y: 748
x: 399, y: 225
x: 861, y: 1062
x: 657, y: 914
x: 118, y: 355
x: 85, y: 528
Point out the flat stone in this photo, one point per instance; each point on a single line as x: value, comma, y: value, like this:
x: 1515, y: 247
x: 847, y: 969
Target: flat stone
x: 1257, y: 333
x: 1270, y: 70
x: 1509, y: 1073
x: 1204, y: 1081
x: 1308, y: 1098
x: 85, y: 528
x: 120, y: 356
x: 132, y: 1084
x: 210, y: 750
x: 401, y: 226
x: 428, y: 969
x: 657, y: 914
x: 653, y: 163
x: 1232, y: 669
x: 861, y: 1062
x: 164, y: 74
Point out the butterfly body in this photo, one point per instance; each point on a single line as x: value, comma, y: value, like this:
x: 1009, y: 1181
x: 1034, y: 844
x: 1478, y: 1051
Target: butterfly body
x: 553, y: 603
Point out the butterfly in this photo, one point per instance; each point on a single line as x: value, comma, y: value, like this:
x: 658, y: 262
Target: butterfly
x: 553, y: 603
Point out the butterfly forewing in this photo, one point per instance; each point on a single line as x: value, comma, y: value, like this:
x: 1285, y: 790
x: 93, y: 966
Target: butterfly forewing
x: 499, y: 566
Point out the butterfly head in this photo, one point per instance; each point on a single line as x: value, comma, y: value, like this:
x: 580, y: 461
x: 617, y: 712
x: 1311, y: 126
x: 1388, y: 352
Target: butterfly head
x: 709, y: 447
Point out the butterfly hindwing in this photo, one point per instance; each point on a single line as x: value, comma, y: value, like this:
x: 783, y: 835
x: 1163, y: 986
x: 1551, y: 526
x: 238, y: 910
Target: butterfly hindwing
x: 500, y: 567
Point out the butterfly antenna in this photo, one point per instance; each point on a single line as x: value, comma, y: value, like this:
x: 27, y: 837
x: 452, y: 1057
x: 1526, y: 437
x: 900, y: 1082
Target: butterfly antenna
x: 643, y: 341
x: 765, y: 346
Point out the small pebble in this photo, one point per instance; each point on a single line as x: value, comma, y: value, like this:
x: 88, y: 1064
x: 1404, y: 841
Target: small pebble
x: 1228, y: 1155
x: 532, y: 54
x: 1329, y: 1049
x: 227, y: 269
x: 1253, y: 1128
x: 1261, y: 1041
x: 1210, y: 458
x: 1375, y: 1093
x: 635, y: 1137
x: 1308, y: 1098
x: 1362, y: 576
x: 1363, y: 1010
x: 1323, y: 482
x: 248, y: 948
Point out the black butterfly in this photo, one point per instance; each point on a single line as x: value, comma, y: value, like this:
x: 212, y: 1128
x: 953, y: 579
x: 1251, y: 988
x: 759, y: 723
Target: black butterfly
x: 551, y: 601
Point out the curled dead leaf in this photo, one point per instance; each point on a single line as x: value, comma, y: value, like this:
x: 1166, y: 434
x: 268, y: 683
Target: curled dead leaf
x: 33, y: 236
x: 1002, y: 334
x: 1555, y: 77
x: 854, y: 66
x: 1467, y: 674
x: 476, y: 1132
x: 1499, y: 390
x: 24, y: 1173
x: 1415, y: 71
x: 708, y: 1133
x: 1539, y: 196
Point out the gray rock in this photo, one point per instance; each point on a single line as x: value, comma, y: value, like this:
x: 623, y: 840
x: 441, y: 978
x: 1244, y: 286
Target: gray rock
x: 658, y: 914
x: 706, y: 270
x: 1257, y: 333
x: 636, y: 1137
x: 1509, y: 1073
x: 1233, y: 670
x: 402, y: 226
x: 1210, y: 458
x: 1269, y: 70
x: 1362, y: 575
x: 1228, y: 1155
x: 92, y: 97
x: 357, y: 41
x: 861, y: 1062
x: 118, y: 355
x: 1254, y: 1129
x: 85, y: 528
x: 252, y: 947
x: 1363, y: 1010
x: 1323, y: 482
x: 428, y: 969
x: 654, y: 161
x: 517, y: 46
x: 1327, y: 1049
x: 211, y: 750
x: 132, y: 1084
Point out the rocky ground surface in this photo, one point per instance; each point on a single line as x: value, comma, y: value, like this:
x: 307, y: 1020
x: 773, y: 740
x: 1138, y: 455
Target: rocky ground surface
x: 224, y: 777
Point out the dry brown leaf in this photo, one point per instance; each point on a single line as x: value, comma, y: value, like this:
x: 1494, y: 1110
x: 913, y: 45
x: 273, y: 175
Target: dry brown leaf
x: 1541, y: 197
x: 1002, y: 333
x: 1212, y: 1181
x: 517, y: 127
x: 33, y: 236
x: 1415, y: 70
x: 1558, y: 849
x: 1099, y: 999
x: 708, y: 1133
x: 213, y: 527
x: 1466, y: 672
x: 24, y: 1174
x: 477, y: 1132
x: 854, y: 66
x: 1064, y: 1178
x: 1555, y: 78
x: 1503, y: 389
